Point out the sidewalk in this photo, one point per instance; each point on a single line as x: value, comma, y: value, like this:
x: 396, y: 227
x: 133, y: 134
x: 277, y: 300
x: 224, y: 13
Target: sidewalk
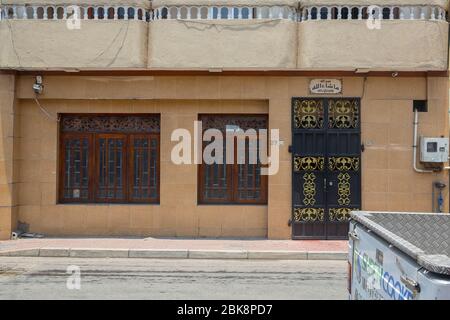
x: 176, y: 248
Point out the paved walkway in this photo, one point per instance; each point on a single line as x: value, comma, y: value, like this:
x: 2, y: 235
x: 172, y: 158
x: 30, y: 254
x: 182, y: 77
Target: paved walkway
x: 174, y: 247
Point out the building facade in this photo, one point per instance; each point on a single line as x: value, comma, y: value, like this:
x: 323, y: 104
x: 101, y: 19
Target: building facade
x: 92, y: 96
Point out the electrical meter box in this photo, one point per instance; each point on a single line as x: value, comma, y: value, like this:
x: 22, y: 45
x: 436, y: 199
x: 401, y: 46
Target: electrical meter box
x: 434, y: 149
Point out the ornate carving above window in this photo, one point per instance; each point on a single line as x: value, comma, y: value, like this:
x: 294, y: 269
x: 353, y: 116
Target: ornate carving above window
x: 111, y: 124
x: 244, y: 122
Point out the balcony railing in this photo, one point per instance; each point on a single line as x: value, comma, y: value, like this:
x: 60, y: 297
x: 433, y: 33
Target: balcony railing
x: 224, y: 13
x: 64, y: 12
x: 373, y: 12
x: 133, y: 13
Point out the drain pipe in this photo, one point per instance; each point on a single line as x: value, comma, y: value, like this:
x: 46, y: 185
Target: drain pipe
x: 416, y: 123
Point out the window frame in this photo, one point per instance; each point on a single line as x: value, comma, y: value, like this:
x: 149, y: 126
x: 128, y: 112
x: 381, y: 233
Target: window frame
x: 157, y: 168
x: 94, y: 162
x: 232, y: 171
x: 62, y: 160
x: 97, y: 163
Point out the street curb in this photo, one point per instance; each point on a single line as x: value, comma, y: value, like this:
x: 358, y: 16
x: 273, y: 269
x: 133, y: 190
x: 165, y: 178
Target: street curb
x: 98, y: 253
x: 217, y: 254
x: 20, y: 253
x: 277, y: 255
x: 54, y: 252
x: 158, y: 254
x: 327, y: 255
x: 175, y: 254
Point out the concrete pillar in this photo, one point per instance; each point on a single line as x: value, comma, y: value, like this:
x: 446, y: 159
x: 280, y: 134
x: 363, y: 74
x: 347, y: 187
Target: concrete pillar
x: 8, y: 125
x: 280, y: 184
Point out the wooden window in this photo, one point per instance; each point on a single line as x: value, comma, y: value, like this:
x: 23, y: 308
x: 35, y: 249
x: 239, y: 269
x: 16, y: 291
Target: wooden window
x: 144, y: 178
x: 75, y: 159
x: 239, y: 182
x: 109, y: 159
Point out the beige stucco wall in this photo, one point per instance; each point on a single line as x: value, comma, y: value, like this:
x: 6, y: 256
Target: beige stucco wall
x: 397, y: 45
x: 8, y: 147
x: 38, y: 44
x: 178, y: 213
x: 388, y: 180
x: 244, y: 44
x: 235, y: 44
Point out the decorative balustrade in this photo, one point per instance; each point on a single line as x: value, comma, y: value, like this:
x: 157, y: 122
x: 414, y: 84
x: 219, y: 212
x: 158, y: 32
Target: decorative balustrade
x: 372, y: 12
x: 29, y: 12
x: 43, y: 12
x: 224, y: 13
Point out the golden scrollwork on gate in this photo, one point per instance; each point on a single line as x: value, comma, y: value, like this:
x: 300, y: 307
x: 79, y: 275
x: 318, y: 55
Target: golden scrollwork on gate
x: 343, y: 163
x: 308, y: 214
x: 309, y: 189
x: 309, y: 163
x: 343, y: 113
x: 344, y: 189
x: 340, y: 214
x: 308, y: 114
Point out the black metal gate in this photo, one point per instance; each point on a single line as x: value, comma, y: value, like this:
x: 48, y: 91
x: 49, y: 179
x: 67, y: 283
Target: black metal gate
x: 326, y: 165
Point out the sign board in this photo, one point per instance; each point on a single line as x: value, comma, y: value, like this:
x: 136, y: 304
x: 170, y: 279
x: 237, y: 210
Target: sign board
x: 325, y: 86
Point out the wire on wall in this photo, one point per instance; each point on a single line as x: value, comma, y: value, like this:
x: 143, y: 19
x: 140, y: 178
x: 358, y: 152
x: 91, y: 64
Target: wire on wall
x: 45, y: 111
x: 364, y: 88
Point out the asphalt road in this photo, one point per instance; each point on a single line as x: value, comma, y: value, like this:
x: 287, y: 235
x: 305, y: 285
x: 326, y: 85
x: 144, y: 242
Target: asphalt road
x: 47, y: 278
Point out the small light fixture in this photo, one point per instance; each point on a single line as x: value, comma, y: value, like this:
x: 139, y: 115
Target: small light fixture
x: 38, y: 87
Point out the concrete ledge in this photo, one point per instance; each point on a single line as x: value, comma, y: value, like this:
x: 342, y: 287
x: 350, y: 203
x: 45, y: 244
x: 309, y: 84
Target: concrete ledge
x: 54, y: 252
x: 157, y: 253
x: 24, y: 253
x: 278, y: 255
x: 98, y: 253
x: 174, y: 254
x: 217, y: 254
x: 4, y: 253
x: 327, y: 255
